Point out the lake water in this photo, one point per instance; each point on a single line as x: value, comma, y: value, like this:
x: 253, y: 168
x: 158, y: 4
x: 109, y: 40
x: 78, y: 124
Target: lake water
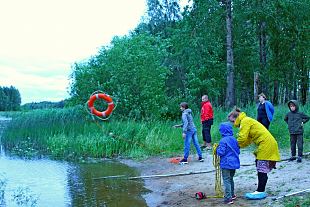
x: 50, y: 183
x: 58, y: 183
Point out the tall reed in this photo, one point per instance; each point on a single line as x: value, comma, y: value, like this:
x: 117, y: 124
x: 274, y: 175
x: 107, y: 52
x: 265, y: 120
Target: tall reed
x: 72, y: 133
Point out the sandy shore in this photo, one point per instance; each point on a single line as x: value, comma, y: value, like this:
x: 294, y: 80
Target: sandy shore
x: 180, y: 190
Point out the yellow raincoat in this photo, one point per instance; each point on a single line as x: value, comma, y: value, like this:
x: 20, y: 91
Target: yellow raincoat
x: 253, y: 131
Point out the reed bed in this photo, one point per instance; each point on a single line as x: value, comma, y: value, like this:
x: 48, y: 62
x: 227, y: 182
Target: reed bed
x: 71, y: 133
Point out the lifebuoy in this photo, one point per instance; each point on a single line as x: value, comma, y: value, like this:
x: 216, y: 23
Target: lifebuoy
x: 105, y: 97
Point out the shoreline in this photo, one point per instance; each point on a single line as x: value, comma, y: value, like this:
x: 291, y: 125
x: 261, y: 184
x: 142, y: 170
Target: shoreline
x: 179, y: 191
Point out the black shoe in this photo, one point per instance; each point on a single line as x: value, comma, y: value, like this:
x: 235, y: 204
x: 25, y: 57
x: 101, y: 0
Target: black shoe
x: 183, y: 161
x: 299, y: 159
x: 292, y: 158
x: 200, y: 159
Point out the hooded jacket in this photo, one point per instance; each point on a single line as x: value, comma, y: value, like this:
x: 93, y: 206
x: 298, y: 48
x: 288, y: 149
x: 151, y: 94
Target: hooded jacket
x: 228, y: 148
x: 295, y: 119
x: 187, y: 121
x: 251, y: 131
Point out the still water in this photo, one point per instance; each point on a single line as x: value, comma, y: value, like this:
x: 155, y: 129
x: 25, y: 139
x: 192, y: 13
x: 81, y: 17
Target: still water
x: 58, y: 183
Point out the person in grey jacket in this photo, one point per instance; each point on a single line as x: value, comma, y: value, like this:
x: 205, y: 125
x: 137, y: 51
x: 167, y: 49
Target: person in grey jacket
x: 189, y: 132
x: 295, y: 121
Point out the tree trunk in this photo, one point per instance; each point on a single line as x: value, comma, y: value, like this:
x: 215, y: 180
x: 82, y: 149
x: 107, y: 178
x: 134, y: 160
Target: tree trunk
x: 275, y: 100
x: 230, y: 90
x: 263, y: 55
x: 304, y: 81
x: 256, y: 84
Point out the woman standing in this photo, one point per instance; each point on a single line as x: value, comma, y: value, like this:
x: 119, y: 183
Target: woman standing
x: 189, y: 133
x: 265, y: 111
x: 266, y: 153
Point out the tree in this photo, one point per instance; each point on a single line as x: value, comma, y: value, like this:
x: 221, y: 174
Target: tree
x: 10, y: 99
x: 230, y: 91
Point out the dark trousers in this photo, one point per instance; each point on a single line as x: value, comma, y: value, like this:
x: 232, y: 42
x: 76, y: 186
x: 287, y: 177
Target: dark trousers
x: 206, y: 130
x: 262, y: 181
x: 264, y: 121
x: 297, y: 138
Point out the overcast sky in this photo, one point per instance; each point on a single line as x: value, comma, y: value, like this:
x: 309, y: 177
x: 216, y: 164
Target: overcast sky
x: 41, y: 39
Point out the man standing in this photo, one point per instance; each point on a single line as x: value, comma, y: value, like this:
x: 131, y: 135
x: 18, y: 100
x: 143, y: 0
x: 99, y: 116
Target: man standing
x: 206, y: 117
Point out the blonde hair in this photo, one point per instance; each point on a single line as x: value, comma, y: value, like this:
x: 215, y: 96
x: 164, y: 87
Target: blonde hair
x: 235, y: 112
x: 262, y: 95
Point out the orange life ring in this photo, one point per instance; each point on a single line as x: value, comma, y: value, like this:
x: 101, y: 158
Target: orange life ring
x: 105, y: 97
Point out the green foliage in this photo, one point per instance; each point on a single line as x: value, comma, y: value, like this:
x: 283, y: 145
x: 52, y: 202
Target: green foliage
x: 131, y: 72
x: 42, y: 105
x: 9, y: 99
x: 71, y: 134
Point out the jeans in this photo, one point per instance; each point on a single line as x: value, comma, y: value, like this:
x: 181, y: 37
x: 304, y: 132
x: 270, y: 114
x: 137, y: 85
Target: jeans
x: 228, y: 180
x: 297, y: 138
x: 191, y: 135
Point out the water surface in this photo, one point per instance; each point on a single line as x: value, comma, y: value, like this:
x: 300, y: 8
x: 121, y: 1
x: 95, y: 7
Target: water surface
x: 59, y: 183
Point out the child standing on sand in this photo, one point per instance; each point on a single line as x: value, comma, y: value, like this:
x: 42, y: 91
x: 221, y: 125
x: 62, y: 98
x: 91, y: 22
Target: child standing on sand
x: 295, y: 121
x: 228, y: 151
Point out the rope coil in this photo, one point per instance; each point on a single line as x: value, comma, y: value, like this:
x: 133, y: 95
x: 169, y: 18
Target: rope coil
x: 218, y: 180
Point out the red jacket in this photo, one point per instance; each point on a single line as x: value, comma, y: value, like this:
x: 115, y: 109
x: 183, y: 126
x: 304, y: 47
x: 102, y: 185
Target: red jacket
x: 206, y: 111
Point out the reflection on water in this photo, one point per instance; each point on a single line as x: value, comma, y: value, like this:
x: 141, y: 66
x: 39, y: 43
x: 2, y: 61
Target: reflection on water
x: 71, y: 184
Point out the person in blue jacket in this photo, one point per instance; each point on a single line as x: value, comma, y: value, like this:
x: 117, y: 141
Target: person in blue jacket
x: 228, y: 150
x: 265, y: 111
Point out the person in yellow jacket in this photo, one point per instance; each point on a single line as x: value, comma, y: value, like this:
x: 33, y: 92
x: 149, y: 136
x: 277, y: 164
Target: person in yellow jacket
x: 266, y: 153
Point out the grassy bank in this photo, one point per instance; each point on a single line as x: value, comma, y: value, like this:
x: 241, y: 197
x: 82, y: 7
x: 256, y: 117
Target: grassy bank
x: 72, y: 133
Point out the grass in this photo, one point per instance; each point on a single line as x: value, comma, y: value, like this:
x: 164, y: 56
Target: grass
x: 71, y: 133
x: 294, y: 201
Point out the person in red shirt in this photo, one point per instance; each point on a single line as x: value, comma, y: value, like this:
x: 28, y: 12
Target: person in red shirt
x: 206, y: 117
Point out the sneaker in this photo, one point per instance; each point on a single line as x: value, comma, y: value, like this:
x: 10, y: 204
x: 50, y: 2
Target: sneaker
x: 234, y: 197
x: 183, y: 161
x: 200, y: 159
x: 292, y: 158
x: 299, y: 159
x: 229, y: 201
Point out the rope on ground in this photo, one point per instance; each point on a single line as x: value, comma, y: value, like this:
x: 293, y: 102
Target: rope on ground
x: 153, y: 176
x: 216, y: 161
x: 291, y: 194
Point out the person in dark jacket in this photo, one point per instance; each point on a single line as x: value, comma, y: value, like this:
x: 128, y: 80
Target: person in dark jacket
x: 295, y: 121
x: 189, y: 132
x: 265, y: 111
x: 229, y: 151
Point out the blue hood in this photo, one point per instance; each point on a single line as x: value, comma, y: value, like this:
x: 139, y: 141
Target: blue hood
x: 226, y: 129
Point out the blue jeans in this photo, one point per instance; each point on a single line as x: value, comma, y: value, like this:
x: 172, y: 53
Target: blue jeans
x: 228, y: 180
x: 191, y: 135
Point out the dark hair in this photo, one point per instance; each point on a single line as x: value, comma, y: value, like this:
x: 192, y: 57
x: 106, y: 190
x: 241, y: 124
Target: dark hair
x: 184, y: 105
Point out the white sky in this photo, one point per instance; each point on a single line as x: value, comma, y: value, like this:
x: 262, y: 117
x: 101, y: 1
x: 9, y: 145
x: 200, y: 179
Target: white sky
x: 41, y: 39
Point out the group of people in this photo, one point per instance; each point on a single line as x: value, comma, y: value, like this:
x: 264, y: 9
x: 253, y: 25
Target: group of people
x: 250, y: 131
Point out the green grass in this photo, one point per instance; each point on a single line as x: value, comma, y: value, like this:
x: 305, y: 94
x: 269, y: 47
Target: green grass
x: 71, y: 133
x: 294, y: 201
